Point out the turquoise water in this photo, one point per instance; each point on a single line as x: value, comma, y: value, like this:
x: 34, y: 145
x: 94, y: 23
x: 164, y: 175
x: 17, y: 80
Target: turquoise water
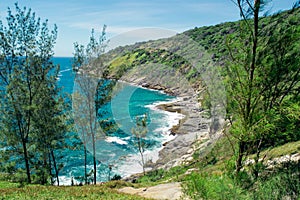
x: 117, y: 149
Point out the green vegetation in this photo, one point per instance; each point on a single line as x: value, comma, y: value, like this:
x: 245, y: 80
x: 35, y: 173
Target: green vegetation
x: 12, y: 191
x: 281, y: 184
x: 139, y: 133
x: 85, y: 104
x: 262, y: 81
x: 212, y: 176
x: 34, y: 113
x: 160, y: 176
x: 215, y: 176
x: 260, y: 66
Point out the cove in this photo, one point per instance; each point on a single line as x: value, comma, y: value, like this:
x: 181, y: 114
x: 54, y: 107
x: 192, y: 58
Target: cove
x: 116, y: 152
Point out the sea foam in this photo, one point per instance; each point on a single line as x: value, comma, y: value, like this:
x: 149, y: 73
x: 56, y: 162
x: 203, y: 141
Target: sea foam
x: 131, y: 164
x: 116, y: 140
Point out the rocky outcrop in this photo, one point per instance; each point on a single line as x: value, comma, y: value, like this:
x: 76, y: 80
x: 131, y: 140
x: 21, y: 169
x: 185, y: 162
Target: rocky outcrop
x: 192, y: 128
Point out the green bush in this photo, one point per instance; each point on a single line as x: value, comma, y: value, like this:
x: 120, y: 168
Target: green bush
x: 204, y: 186
x: 161, y: 175
x: 282, y: 183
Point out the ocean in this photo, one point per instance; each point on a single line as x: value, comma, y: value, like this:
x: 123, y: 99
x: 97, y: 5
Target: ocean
x: 116, y: 153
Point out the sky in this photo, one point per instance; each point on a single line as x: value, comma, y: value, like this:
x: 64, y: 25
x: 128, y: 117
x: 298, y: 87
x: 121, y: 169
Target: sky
x: 131, y: 20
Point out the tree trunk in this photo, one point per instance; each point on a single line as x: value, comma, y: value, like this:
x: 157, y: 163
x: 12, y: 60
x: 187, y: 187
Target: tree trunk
x: 44, y: 170
x: 85, y: 163
x: 50, y: 169
x: 241, y: 152
x: 55, y: 167
x: 143, y: 162
x: 26, y: 159
x: 256, y: 163
x: 140, y: 146
x: 94, y: 159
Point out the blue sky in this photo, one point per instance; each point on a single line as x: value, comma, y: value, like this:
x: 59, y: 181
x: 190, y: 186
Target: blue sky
x: 76, y: 18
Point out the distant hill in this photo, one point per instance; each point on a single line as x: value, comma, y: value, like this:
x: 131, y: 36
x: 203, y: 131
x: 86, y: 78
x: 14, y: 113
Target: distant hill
x: 175, y: 55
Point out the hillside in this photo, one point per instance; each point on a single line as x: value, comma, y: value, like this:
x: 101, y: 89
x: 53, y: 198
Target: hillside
x: 187, y: 65
x: 184, y: 56
x: 201, y: 159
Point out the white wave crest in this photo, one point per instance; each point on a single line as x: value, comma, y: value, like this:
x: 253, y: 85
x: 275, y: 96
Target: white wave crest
x: 116, y: 140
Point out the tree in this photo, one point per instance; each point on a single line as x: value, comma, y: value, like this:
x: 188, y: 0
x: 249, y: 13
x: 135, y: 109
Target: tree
x: 85, y: 116
x: 262, y: 73
x: 29, y: 92
x: 139, y: 133
x: 92, y: 91
x: 51, y: 125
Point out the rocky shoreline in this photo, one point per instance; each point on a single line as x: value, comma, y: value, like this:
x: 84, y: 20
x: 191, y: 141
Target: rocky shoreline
x: 193, y: 127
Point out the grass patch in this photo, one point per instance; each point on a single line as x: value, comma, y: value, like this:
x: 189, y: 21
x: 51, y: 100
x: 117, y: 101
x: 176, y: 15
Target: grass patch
x: 11, y: 191
x: 204, y: 186
x: 284, y: 183
x: 6, y: 184
x: 213, y: 159
x: 158, y: 176
x: 286, y: 149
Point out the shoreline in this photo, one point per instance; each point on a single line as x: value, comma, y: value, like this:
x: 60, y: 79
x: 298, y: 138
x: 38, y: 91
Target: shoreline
x: 190, y: 129
x: 151, y: 156
x: 172, y: 133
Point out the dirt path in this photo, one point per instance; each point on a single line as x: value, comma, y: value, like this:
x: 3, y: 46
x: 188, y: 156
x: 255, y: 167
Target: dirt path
x: 169, y: 191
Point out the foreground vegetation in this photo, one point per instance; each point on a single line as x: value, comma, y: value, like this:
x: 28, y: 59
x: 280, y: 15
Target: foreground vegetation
x: 212, y: 175
x: 14, y: 191
x: 215, y: 177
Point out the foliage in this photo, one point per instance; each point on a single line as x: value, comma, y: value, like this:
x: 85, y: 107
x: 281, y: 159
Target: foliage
x: 84, y: 108
x: 92, y: 91
x: 204, y: 186
x: 272, y: 121
x: 217, y: 181
x: 29, y: 98
x: 283, y: 183
x: 262, y: 76
x: 84, y: 57
x: 116, y: 177
x: 12, y: 191
x: 144, y: 56
x: 139, y: 133
x: 160, y: 175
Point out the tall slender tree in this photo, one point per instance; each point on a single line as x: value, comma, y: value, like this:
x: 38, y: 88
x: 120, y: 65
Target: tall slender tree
x: 260, y: 76
x: 28, y: 81
x: 139, y: 133
x: 51, y: 125
x: 91, y: 92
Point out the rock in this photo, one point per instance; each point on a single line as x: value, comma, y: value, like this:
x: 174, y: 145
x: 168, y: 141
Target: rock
x: 186, y: 98
x: 189, y: 159
x: 190, y: 151
x: 203, y: 126
x: 145, y: 85
x: 189, y: 171
x: 158, y: 87
x: 165, y: 144
x: 172, y: 133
